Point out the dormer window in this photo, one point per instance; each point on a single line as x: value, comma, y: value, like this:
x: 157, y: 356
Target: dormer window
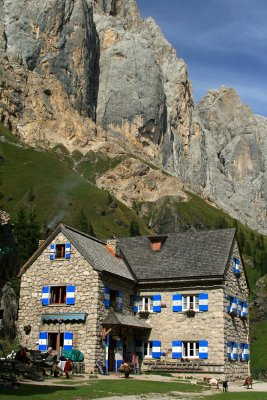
x: 157, y: 242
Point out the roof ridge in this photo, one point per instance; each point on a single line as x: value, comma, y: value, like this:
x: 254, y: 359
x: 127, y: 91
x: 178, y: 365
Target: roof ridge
x: 83, y: 234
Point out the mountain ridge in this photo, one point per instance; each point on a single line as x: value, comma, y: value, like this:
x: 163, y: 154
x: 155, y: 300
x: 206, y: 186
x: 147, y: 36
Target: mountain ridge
x: 97, y: 77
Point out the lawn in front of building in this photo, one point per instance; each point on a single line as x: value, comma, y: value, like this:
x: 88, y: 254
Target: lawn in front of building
x: 95, y: 390
x: 250, y: 395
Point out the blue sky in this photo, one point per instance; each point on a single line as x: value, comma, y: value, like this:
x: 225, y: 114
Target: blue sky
x: 223, y: 42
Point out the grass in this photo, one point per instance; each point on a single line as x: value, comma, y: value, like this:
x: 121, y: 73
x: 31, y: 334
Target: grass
x: 258, y: 335
x: 96, y: 389
x: 59, y: 193
x: 95, y: 164
x: 250, y: 395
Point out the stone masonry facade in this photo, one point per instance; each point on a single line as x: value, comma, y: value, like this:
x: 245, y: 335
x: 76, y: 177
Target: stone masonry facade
x: 236, y: 329
x: 216, y: 325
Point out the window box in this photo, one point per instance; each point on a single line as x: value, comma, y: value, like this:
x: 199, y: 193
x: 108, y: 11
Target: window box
x: 144, y: 314
x: 190, y: 313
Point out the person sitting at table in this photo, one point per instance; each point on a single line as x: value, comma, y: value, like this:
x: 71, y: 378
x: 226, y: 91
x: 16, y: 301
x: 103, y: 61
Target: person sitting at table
x: 56, y: 370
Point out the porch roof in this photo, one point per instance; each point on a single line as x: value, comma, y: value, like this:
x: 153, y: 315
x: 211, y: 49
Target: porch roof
x: 56, y: 317
x: 115, y: 318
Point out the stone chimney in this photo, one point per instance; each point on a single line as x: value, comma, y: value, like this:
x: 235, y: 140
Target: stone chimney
x: 113, y: 247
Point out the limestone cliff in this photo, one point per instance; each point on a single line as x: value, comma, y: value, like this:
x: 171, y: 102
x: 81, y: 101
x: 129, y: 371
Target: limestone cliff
x: 94, y: 76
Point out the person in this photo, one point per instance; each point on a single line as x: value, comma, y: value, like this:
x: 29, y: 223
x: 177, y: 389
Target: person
x: 56, y: 370
x: 23, y: 355
x: 225, y: 386
x: 67, y: 368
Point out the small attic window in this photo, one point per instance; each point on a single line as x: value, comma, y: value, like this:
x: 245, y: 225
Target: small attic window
x: 157, y: 242
x: 60, y: 251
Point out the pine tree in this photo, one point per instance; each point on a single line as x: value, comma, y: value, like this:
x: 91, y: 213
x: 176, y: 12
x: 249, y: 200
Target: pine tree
x: 84, y: 225
x: 134, y: 229
x: 27, y: 233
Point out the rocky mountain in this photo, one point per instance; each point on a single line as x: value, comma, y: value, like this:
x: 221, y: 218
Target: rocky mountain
x: 94, y: 76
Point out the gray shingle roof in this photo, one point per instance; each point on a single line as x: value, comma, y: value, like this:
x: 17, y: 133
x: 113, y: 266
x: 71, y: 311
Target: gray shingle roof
x: 115, y: 318
x: 95, y: 252
x: 183, y: 255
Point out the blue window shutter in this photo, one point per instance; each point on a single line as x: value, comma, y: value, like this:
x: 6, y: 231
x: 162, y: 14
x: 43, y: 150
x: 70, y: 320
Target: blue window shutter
x: 156, y: 344
x: 235, y: 349
x: 239, y: 306
x: 52, y: 251
x: 234, y: 305
x: 68, y: 339
x: 70, y: 295
x: 119, y: 300
x: 246, y: 351
x: 107, y: 297
x: 203, y: 349
x: 244, y: 310
x: 228, y: 297
x: 135, y: 303
x: 67, y: 250
x: 229, y: 350
x: 43, y: 341
x: 203, y: 302
x: 240, y: 351
x: 157, y: 303
x: 46, y: 295
x: 237, y: 267
x: 177, y: 350
x: 177, y: 303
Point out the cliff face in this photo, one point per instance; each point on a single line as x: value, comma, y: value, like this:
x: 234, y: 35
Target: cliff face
x: 94, y: 75
x: 237, y: 156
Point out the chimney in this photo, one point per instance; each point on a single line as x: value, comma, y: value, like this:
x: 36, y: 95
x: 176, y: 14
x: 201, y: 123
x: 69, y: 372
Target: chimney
x: 113, y: 247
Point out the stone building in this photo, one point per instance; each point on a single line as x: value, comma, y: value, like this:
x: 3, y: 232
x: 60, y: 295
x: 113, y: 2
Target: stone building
x: 174, y: 300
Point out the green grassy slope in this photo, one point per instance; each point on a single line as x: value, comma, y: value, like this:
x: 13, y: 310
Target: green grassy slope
x: 59, y: 193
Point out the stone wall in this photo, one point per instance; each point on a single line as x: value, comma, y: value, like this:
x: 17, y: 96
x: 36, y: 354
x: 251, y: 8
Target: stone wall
x: 168, y: 325
x: 235, y: 328
x: 60, y: 272
x: 128, y: 289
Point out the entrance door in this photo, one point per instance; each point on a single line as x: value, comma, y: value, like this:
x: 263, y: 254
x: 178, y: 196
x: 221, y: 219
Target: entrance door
x: 54, y: 341
x: 111, y: 354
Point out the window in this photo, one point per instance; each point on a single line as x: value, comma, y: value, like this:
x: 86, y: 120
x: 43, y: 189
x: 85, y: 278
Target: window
x: 113, y: 297
x: 147, y: 349
x: 60, y: 251
x: 190, y: 349
x: 145, y: 304
x: 157, y: 242
x: 232, y: 305
x: 52, y: 295
x: 191, y: 302
x: 58, y: 295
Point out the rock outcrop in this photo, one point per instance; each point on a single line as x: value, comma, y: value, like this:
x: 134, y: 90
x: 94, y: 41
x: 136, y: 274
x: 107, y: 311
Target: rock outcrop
x: 94, y: 76
x: 236, y: 146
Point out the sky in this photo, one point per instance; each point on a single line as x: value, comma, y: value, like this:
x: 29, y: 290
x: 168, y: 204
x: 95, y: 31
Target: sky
x: 223, y: 42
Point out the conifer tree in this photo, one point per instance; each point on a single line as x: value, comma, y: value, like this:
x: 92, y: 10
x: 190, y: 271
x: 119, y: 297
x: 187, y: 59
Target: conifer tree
x: 27, y: 233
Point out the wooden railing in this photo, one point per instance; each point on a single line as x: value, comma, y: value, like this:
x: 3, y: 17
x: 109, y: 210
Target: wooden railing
x: 171, y: 365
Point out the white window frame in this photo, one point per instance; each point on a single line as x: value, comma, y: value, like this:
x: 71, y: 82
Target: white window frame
x: 142, y: 307
x: 148, y: 346
x: 186, y: 302
x: 188, y: 346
